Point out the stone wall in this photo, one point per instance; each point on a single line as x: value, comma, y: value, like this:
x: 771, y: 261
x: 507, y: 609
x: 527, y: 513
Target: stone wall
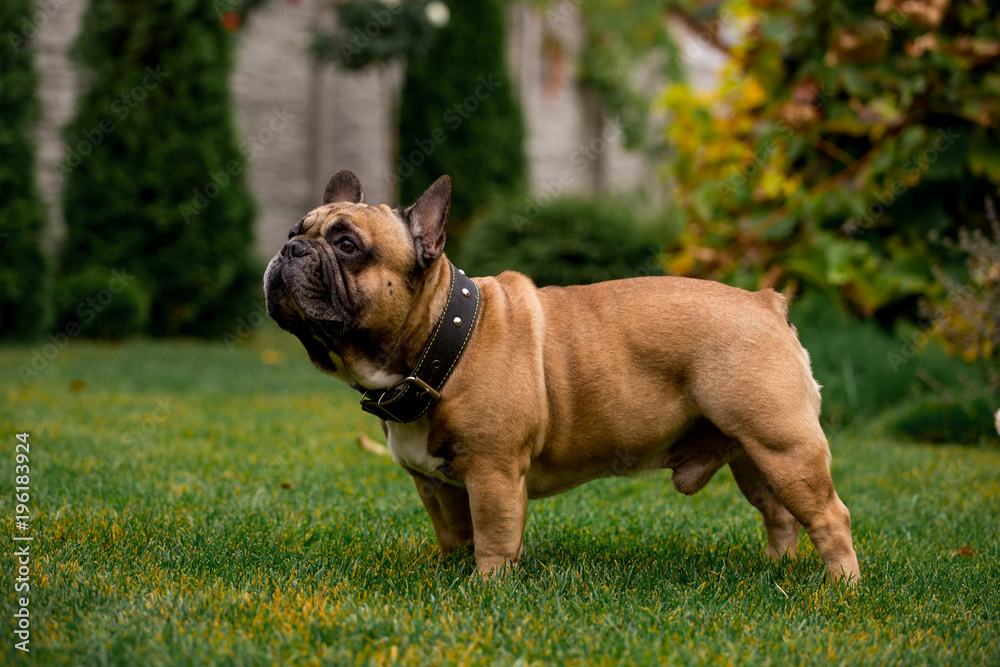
x: 569, y: 140
x: 338, y: 120
x: 59, y: 87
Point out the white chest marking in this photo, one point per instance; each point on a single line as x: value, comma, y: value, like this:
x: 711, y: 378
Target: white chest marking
x: 408, y: 446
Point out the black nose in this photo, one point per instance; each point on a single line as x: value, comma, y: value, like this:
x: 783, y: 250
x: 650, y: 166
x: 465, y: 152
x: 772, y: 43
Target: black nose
x: 295, y: 248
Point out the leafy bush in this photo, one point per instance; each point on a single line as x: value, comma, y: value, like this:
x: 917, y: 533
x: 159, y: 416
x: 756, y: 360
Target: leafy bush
x: 853, y: 132
x: 459, y: 115
x: 22, y: 214
x: 573, y: 240
x: 153, y: 169
x: 96, y: 304
x: 931, y: 419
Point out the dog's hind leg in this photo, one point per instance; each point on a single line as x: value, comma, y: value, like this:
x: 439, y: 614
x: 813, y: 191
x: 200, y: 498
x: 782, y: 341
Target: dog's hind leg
x: 782, y: 528
x: 784, y: 443
x: 773, y: 413
x: 798, y: 470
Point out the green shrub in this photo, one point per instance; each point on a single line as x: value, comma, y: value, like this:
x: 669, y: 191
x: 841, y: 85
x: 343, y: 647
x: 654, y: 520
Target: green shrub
x: 22, y: 214
x: 868, y: 371
x: 573, y: 240
x: 459, y: 116
x: 154, y: 179
x: 932, y: 419
x: 830, y: 162
x: 97, y: 304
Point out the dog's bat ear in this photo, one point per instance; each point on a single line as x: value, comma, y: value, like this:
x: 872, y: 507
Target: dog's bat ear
x: 344, y: 186
x: 428, y: 219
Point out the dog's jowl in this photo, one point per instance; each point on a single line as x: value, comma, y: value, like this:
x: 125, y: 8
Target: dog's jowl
x: 493, y: 391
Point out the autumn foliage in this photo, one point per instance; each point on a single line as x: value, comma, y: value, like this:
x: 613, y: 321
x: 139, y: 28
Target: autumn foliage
x: 845, y: 142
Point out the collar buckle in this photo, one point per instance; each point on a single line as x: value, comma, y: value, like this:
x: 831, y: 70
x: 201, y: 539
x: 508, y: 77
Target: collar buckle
x: 424, y: 388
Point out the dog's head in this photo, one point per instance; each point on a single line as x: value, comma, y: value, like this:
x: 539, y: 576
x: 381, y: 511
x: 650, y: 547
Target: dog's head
x: 352, y: 274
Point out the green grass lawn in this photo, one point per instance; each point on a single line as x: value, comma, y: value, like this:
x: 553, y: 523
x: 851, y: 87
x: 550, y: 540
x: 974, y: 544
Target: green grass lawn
x: 201, y: 506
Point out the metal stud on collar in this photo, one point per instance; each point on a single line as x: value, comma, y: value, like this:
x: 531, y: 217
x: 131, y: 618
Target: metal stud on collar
x: 457, y: 321
x: 465, y: 291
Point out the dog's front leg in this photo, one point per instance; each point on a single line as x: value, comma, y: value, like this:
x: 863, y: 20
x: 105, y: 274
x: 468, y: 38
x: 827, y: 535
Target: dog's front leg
x: 448, y: 507
x: 499, y: 502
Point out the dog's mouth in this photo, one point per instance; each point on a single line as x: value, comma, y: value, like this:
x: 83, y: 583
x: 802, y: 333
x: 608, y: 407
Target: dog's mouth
x: 321, y: 346
x: 304, y: 279
x: 302, y: 294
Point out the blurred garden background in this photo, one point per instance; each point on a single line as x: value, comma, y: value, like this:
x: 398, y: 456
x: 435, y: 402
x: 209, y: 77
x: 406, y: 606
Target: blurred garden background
x: 154, y: 154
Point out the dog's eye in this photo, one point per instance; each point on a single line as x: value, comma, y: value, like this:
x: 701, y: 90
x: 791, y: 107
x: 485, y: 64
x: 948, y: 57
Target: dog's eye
x: 347, y: 246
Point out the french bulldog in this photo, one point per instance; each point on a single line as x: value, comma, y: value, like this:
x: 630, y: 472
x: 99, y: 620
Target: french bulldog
x: 549, y: 388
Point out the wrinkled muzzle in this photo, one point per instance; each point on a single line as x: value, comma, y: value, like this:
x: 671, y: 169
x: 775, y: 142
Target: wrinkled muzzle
x: 302, y: 286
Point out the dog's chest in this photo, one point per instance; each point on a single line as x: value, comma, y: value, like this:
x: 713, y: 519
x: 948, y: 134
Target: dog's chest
x: 408, y: 446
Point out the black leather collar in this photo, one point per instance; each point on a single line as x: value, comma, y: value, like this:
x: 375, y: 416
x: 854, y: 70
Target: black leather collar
x: 413, y: 396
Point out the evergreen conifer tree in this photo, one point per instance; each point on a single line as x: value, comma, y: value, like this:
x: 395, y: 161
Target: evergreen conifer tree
x: 459, y: 115
x: 22, y: 214
x: 154, y: 176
